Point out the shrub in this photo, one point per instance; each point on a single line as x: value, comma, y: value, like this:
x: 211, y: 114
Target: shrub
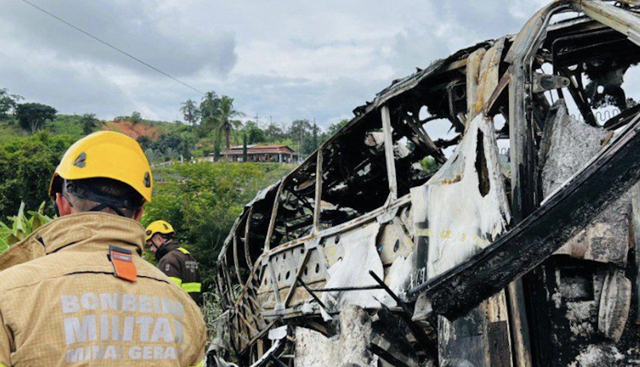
x: 21, y: 226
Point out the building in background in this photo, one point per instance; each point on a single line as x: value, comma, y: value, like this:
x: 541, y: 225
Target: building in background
x: 262, y: 153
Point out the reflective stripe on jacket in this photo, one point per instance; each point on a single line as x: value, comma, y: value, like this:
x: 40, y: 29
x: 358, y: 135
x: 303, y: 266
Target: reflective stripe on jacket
x: 66, y: 307
x: 180, y: 266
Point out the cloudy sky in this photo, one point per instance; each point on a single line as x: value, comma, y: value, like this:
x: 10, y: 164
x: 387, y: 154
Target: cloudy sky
x: 278, y: 59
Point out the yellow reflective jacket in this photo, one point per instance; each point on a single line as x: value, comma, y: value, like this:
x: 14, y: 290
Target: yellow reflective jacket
x: 65, y: 307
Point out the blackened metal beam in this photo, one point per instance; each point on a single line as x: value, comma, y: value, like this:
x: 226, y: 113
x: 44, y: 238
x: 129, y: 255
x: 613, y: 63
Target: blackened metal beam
x: 313, y: 295
x: 417, y: 331
x: 533, y: 240
x: 384, y: 354
x: 621, y: 119
x: 577, y: 92
x: 277, y: 361
x: 347, y: 289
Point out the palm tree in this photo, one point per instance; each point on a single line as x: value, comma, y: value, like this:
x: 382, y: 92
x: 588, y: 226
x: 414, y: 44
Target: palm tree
x: 190, y: 112
x: 209, y: 109
x: 170, y: 153
x: 152, y: 155
x: 225, y: 118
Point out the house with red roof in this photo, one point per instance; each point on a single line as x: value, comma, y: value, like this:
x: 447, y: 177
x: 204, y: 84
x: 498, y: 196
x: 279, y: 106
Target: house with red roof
x: 262, y: 153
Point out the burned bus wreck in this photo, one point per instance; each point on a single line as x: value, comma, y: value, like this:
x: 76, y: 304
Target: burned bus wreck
x: 480, y: 212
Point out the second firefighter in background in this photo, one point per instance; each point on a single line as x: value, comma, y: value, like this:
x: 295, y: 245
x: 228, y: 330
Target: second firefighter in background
x: 174, y: 260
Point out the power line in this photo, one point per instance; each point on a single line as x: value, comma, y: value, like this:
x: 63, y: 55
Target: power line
x: 114, y: 47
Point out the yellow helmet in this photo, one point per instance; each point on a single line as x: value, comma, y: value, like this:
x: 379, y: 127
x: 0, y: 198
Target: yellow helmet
x: 159, y: 226
x: 106, y: 154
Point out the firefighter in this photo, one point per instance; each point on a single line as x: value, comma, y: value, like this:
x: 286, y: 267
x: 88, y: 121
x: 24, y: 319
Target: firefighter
x: 174, y: 260
x: 91, y: 299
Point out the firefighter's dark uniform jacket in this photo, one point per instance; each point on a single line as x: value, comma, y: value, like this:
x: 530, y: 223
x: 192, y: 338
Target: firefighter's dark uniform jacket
x: 66, y: 307
x: 178, y: 264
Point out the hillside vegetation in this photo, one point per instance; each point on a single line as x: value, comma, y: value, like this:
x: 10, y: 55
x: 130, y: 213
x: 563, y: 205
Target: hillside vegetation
x: 201, y: 200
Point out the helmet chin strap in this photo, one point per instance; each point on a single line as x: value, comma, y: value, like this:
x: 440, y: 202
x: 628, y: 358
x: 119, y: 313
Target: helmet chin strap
x: 164, y: 242
x: 156, y: 246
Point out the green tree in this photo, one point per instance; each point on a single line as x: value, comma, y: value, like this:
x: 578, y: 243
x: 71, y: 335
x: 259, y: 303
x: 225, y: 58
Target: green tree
x: 8, y: 102
x: 311, y: 143
x: 32, y: 116
x: 179, y: 144
x: 153, y: 156
x: 225, y: 118
x: 209, y: 112
x: 27, y: 165
x: 334, y: 127
x: 216, y: 150
x: 274, y: 133
x: 244, y: 148
x: 315, y: 131
x: 144, y: 142
x: 202, y: 201
x: 135, y: 118
x: 299, y: 132
x: 430, y: 165
x: 190, y: 112
x: 299, y: 129
x: 170, y: 154
x: 254, y: 133
x: 89, y: 123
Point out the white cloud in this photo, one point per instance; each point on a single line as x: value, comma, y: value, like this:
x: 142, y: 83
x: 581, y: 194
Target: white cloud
x: 144, y: 29
x: 277, y: 58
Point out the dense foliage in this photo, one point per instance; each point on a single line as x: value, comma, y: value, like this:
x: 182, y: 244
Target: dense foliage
x: 202, y: 201
x: 171, y: 145
x: 8, y: 102
x: 136, y: 117
x: 89, y: 123
x: 21, y: 225
x: 27, y: 165
x: 32, y: 116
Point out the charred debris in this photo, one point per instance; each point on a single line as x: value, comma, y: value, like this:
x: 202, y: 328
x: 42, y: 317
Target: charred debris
x: 480, y: 212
